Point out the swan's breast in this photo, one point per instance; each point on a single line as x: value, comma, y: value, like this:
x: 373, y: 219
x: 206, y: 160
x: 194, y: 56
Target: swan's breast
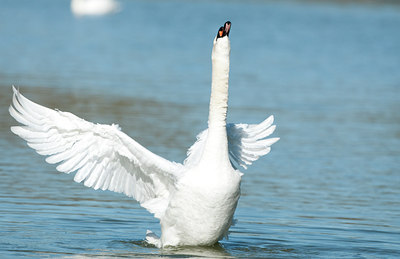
x: 201, y: 210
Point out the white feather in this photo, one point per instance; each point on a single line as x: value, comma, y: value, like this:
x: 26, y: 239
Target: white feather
x: 195, y: 202
x: 246, y: 142
x: 68, y: 139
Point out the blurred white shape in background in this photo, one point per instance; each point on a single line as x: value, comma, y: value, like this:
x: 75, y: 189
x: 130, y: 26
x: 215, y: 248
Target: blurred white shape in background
x: 94, y: 7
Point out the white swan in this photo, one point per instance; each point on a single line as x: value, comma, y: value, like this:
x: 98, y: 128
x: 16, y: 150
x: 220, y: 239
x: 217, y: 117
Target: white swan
x: 194, y: 201
x: 94, y: 7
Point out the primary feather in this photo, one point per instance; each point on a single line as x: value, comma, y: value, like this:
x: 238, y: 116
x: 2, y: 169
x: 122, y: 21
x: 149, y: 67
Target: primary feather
x: 102, y: 155
x: 246, y: 143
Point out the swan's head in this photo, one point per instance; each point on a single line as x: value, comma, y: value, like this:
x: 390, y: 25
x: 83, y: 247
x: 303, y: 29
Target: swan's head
x: 222, y: 45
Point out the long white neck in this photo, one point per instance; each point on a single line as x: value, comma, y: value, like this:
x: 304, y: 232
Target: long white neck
x: 216, y: 148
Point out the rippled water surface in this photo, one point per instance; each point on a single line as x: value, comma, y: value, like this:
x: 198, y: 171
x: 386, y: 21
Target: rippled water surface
x: 328, y: 72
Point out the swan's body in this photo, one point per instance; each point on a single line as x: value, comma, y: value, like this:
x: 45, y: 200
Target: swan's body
x: 195, y: 201
x: 93, y: 7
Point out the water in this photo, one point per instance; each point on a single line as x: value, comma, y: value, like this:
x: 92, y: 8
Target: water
x: 328, y: 72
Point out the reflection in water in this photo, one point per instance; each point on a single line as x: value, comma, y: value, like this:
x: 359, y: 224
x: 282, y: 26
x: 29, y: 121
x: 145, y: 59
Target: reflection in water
x: 142, y: 249
x: 216, y: 251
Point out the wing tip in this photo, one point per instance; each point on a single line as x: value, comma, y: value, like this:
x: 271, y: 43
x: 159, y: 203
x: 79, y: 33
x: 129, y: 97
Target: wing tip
x: 15, y: 129
x: 274, y: 140
x: 272, y: 120
x: 269, y: 120
x: 270, y: 141
x: 16, y: 92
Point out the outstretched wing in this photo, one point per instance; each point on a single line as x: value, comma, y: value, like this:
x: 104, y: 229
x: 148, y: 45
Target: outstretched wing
x: 246, y: 143
x: 102, y: 155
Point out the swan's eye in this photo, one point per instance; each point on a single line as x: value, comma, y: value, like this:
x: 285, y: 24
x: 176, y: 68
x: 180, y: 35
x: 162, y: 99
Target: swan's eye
x: 221, y: 32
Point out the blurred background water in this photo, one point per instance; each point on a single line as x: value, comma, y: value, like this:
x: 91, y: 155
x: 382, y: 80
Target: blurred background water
x: 329, y: 72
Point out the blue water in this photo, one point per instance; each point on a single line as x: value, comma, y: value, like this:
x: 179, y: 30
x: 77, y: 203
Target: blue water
x: 329, y: 72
